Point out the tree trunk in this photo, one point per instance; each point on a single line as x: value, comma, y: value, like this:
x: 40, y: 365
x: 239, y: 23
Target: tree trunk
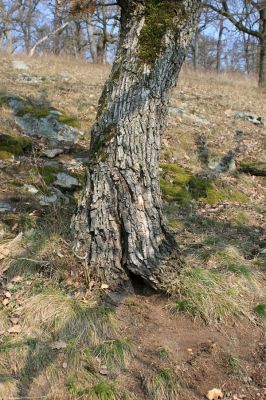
x: 219, y: 45
x: 262, y: 59
x: 119, y: 226
x: 195, y: 50
x: 91, y: 39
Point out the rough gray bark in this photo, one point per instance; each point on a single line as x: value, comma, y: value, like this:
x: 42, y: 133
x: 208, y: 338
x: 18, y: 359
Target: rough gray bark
x: 119, y: 226
x: 262, y: 41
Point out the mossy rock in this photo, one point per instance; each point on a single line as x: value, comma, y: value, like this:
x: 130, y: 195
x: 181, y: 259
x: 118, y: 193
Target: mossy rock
x: 34, y: 111
x: 5, y: 155
x: 253, y: 167
x: 15, y: 144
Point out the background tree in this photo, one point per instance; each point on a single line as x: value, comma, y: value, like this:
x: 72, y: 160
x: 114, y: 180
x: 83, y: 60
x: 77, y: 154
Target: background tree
x: 248, y: 17
x: 119, y: 226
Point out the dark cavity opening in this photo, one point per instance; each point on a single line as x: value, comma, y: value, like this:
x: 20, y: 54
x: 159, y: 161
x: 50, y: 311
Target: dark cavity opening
x: 139, y: 285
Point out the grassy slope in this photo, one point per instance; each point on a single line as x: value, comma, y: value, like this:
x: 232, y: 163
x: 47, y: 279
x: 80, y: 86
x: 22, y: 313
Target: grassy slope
x: 208, y: 333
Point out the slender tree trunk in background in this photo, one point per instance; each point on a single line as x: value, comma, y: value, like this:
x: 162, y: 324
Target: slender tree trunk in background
x: 195, y: 50
x: 91, y: 39
x: 246, y: 52
x: 219, y: 45
x: 56, y: 41
x: 9, y: 42
x: 262, y: 60
x: 119, y: 226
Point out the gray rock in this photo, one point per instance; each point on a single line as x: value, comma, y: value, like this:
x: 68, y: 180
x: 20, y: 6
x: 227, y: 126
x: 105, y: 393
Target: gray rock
x: 246, y: 116
x: 21, y: 65
x: 31, y: 189
x: 5, y: 206
x: 176, y: 111
x: 66, y: 181
x: 48, y: 127
x: 51, y: 153
x: 48, y: 200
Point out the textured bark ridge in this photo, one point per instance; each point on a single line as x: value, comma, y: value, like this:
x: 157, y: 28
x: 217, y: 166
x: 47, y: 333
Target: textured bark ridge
x: 119, y: 226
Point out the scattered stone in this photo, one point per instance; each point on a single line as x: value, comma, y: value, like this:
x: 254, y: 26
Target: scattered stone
x: 66, y: 181
x: 31, y: 189
x: 104, y: 370
x: 59, y: 345
x: 48, y: 200
x: 5, y: 302
x: 18, y: 64
x: 64, y: 365
x: 176, y: 111
x: 15, y: 329
x: 246, y: 116
x: 51, y: 153
x: 5, y: 206
x: 8, y: 295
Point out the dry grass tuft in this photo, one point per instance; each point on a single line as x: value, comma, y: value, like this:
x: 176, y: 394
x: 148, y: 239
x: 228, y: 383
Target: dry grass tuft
x: 54, y: 312
x: 215, y: 296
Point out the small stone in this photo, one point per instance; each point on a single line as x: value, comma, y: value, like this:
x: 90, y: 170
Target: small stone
x: 31, y: 189
x: 8, y: 295
x: 64, y: 365
x: 14, y: 320
x: 66, y: 181
x: 5, y: 206
x: 51, y: 153
x: 21, y: 65
x: 5, y: 302
x: 47, y: 200
x: 59, y: 345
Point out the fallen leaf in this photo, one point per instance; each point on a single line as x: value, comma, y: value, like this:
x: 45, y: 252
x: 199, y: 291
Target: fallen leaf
x: 16, y: 279
x: 59, y: 345
x: 215, y: 394
x: 104, y: 286
x: 35, y: 213
x: 15, y: 329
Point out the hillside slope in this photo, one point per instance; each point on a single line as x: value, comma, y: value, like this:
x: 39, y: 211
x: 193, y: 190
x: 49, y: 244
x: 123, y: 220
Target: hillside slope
x: 62, y: 339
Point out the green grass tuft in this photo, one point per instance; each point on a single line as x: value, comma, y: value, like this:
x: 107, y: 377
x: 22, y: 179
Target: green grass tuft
x: 14, y: 144
x: 114, y: 353
x: 162, y: 385
x: 260, y: 310
x: 69, y: 120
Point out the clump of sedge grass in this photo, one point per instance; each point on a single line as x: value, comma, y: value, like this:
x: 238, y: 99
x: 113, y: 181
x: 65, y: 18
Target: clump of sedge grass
x: 162, y: 385
x: 114, y: 353
x: 213, y: 295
